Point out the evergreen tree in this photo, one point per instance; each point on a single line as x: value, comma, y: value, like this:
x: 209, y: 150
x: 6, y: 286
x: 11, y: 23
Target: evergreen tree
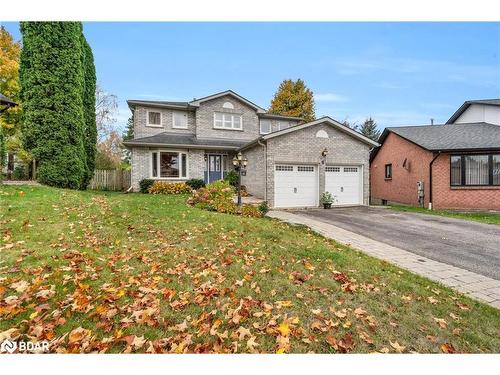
x: 90, y: 127
x: 369, y: 129
x: 52, y: 87
x: 293, y: 98
x: 128, y: 134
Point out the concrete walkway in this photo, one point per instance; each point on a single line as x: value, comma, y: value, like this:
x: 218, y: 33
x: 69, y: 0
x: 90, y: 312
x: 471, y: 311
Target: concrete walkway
x: 472, y: 284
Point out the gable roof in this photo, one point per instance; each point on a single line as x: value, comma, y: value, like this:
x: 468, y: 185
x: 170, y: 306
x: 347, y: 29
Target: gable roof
x: 466, y: 105
x: 196, y: 102
x: 322, y: 120
x: 449, y: 137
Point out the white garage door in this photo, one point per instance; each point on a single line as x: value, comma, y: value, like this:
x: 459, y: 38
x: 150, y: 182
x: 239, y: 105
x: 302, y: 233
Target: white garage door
x: 295, y: 185
x: 345, y: 183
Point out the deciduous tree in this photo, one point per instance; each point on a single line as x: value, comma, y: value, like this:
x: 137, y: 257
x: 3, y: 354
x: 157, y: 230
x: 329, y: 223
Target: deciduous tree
x: 293, y: 98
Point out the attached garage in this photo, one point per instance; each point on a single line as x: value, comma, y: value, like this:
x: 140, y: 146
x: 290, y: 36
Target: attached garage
x: 345, y: 183
x: 295, y: 185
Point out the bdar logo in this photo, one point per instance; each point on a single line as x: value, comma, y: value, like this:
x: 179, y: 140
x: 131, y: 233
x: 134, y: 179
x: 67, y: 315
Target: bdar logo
x: 8, y: 346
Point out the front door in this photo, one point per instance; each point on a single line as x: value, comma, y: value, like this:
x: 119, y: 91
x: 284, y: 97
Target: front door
x: 214, y: 168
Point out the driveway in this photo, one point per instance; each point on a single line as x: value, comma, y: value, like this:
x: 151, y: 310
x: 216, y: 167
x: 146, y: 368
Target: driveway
x: 465, y: 244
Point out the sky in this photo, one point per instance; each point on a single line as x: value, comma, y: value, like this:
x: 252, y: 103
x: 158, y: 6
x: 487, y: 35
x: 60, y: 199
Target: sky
x: 397, y: 73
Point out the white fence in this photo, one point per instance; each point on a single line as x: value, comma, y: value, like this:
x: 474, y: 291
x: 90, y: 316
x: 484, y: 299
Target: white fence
x: 110, y: 179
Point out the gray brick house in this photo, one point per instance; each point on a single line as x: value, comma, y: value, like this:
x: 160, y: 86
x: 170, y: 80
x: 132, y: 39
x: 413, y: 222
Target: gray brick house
x: 290, y: 163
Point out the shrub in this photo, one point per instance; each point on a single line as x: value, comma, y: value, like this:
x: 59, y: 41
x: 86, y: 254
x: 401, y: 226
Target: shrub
x: 145, y: 184
x: 20, y: 173
x: 250, y: 210
x: 232, y: 178
x: 163, y: 187
x: 263, y: 208
x: 217, y: 196
x: 195, y: 183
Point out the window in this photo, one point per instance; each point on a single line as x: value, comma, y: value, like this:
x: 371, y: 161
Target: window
x: 305, y: 168
x: 179, y: 120
x: 284, y: 168
x: 228, y: 105
x: 475, y: 170
x: 265, y: 126
x: 154, y: 119
x: 283, y: 125
x: 353, y: 169
x: 321, y: 134
x: 169, y: 165
x: 227, y: 121
x: 388, y: 171
x: 332, y: 169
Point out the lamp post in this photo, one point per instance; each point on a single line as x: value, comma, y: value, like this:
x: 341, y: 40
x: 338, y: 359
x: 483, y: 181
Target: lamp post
x: 239, y: 162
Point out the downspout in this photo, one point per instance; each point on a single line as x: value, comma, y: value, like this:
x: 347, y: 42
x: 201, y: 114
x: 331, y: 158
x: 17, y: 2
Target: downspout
x: 259, y: 141
x: 430, y: 178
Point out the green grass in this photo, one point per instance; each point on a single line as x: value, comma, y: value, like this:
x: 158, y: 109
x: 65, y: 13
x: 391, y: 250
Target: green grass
x: 149, y: 273
x: 482, y: 217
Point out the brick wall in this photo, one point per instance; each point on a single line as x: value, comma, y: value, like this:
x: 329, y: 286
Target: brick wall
x: 142, y: 130
x: 302, y: 146
x: 402, y: 188
x: 445, y: 196
x: 255, y: 177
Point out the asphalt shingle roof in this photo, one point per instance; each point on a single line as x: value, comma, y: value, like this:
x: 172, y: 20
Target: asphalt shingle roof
x: 452, y: 136
x: 166, y: 138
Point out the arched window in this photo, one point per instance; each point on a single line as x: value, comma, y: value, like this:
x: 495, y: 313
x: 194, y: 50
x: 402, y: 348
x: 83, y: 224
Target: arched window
x: 321, y: 134
x: 228, y: 105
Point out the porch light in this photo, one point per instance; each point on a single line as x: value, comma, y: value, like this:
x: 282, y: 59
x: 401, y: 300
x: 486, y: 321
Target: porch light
x: 324, y: 152
x: 239, y: 163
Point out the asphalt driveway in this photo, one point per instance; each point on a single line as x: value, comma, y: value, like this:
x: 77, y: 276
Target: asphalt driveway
x: 465, y: 244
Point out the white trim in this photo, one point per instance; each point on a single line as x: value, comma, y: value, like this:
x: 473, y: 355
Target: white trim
x: 154, y: 125
x: 224, y: 114
x: 158, y: 151
x: 196, y: 103
x: 324, y: 120
x: 173, y: 120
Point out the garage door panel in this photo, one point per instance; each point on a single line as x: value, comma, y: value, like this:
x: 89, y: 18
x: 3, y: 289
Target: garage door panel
x: 295, y: 185
x: 345, y: 183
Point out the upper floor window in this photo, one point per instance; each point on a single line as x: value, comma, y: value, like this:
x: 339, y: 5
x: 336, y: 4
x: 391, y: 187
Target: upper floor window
x: 154, y: 118
x: 475, y: 170
x: 228, y: 105
x: 388, y: 171
x: 179, y: 120
x: 265, y: 126
x: 227, y: 121
x: 283, y: 125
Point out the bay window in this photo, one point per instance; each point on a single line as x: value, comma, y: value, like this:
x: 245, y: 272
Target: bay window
x: 475, y: 170
x: 227, y: 121
x: 168, y: 164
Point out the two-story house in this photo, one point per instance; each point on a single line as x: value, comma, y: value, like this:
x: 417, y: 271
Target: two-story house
x: 456, y: 165
x: 290, y: 163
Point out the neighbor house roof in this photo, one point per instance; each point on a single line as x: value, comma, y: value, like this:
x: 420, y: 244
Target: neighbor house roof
x: 6, y: 101
x: 450, y: 137
x: 167, y: 139
x: 322, y: 120
x: 466, y: 105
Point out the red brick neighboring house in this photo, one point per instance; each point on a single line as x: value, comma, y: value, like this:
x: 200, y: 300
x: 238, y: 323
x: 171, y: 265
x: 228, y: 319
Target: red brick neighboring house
x: 458, y: 162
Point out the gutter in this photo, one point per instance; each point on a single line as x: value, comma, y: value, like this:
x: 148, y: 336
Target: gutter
x: 430, y: 178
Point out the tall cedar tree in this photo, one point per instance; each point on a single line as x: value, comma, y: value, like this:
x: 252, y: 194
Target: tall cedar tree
x: 90, y: 127
x: 293, y: 98
x: 369, y: 129
x: 52, y: 80
x: 128, y: 134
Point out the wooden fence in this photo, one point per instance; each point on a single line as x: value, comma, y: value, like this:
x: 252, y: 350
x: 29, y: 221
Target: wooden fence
x: 110, y: 179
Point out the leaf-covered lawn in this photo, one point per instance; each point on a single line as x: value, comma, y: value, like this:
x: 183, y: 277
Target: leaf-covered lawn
x: 109, y: 272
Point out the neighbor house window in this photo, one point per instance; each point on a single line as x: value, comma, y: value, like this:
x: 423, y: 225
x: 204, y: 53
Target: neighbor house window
x: 475, y: 170
x: 265, y: 126
x: 388, y: 171
x: 154, y: 118
x: 227, y: 121
x: 167, y: 164
x: 179, y: 120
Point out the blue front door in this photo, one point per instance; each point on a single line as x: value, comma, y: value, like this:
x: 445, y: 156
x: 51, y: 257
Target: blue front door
x: 214, y: 168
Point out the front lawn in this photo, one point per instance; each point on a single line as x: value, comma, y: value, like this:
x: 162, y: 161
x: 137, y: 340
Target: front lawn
x: 112, y: 272
x: 482, y: 217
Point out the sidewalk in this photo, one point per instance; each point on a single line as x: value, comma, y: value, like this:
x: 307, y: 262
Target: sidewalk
x: 473, y: 285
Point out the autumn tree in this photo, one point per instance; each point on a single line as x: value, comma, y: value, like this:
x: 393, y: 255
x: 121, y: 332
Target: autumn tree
x: 53, y: 88
x: 10, y: 119
x: 293, y: 98
x: 369, y: 129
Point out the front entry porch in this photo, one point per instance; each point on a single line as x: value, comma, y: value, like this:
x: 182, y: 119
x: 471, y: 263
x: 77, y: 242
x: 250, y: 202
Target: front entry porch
x: 216, y: 166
